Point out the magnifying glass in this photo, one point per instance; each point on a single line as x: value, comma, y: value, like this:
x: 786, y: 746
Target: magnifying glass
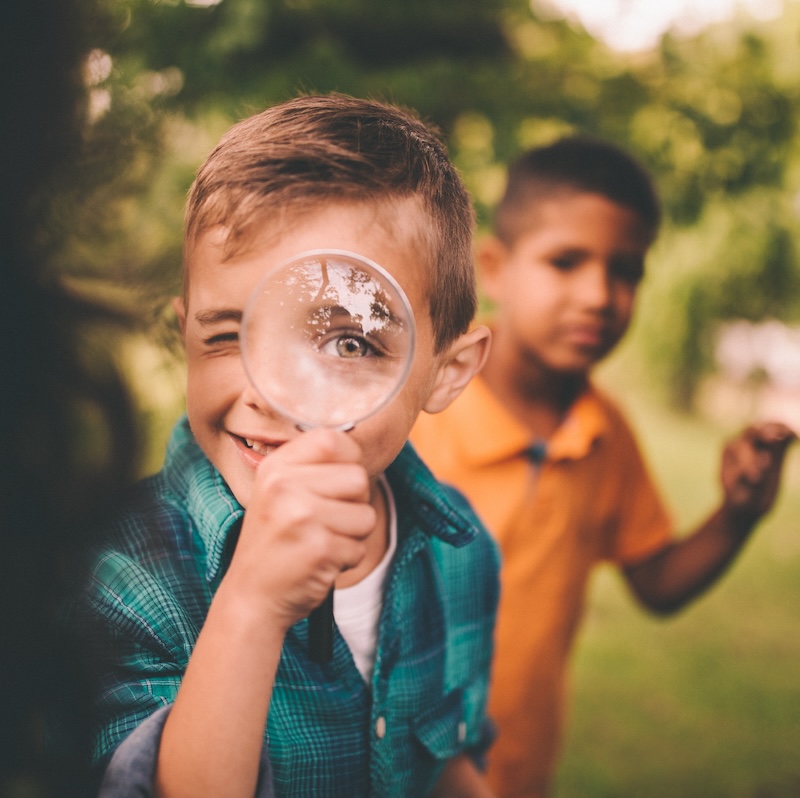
x: 327, y: 340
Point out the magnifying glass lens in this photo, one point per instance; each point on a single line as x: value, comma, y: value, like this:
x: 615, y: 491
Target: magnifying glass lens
x: 328, y: 338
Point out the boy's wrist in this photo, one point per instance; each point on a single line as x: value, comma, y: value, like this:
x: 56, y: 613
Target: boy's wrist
x: 254, y: 617
x: 739, y: 521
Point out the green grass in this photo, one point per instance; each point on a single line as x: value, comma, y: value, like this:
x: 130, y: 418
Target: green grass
x: 706, y: 703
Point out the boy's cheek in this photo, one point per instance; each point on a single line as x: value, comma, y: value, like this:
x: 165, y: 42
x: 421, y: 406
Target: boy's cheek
x: 381, y: 442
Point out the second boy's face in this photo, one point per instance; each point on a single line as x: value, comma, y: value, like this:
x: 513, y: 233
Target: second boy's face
x: 232, y: 424
x: 565, y: 290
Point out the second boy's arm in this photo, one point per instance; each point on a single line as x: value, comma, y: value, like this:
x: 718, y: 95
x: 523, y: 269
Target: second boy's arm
x: 750, y: 475
x: 306, y: 521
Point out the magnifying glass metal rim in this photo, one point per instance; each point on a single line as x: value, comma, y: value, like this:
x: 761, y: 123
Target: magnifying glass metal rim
x: 311, y: 254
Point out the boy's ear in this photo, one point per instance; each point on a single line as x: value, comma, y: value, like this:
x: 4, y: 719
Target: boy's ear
x: 459, y: 364
x: 180, y: 311
x: 491, y: 254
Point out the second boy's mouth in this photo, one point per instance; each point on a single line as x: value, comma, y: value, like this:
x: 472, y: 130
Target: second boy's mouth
x: 591, y: 336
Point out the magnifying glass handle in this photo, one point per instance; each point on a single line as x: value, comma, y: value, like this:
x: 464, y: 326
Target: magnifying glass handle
x: 320, y: 631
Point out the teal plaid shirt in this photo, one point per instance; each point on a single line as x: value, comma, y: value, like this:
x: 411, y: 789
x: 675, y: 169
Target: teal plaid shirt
x: 328, y: 734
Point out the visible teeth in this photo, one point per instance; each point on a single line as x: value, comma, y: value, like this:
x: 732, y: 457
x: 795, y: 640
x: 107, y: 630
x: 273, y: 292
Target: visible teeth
x: 258, y: 447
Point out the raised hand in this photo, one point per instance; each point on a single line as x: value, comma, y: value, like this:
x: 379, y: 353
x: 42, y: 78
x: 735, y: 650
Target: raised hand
x: 751, y: 468
x: 307, y: 520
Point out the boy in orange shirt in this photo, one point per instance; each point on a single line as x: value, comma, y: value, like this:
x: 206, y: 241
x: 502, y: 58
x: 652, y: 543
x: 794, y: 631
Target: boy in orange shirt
x: 549, y: 462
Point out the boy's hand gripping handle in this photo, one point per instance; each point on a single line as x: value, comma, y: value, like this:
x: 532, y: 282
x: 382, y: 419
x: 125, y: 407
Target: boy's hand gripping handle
x: 320, y: 631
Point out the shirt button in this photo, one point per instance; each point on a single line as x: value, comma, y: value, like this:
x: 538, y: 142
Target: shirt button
x: 462, y: 731
x: 380, y: 727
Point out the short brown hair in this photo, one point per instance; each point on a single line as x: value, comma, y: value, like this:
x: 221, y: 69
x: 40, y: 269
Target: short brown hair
x: 296, y: 156
x: 575, y: 164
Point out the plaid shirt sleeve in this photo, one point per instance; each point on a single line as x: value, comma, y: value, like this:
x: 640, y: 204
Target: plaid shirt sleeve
x: 144, y: 609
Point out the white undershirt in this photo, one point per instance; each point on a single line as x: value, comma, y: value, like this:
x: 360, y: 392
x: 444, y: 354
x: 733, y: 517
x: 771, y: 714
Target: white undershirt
x: 357, y: 609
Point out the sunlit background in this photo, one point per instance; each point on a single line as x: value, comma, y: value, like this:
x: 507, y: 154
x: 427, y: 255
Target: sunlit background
x: 707, y: 95
x: 639, y: 24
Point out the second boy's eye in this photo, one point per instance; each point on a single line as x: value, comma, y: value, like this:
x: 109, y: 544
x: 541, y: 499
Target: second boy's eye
x: 627, y: 269
x: 564, y: 261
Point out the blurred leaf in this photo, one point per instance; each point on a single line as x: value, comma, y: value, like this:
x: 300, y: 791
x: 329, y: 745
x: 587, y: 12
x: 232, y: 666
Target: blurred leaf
x: 714, y: 116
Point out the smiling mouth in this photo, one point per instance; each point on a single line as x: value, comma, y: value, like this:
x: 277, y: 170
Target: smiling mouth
x: 260, y: 447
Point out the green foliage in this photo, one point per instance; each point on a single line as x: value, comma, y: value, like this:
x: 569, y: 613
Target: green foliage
x: 713, y: 116
x: 739, y: 261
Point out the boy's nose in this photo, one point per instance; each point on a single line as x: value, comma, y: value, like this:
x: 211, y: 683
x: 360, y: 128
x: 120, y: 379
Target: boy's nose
x: 595, y: 285
x: 253, y: 399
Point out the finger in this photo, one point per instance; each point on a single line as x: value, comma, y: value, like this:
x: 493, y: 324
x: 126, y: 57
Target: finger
x: 283, y: 502
x: 328, y: 552
x: 771, y: 434
x: 346, y: 519
x: 346, y: 554
x: 303, y: 483
x: 320, y: 446
x: 758, y: 449
x: 756, y: 467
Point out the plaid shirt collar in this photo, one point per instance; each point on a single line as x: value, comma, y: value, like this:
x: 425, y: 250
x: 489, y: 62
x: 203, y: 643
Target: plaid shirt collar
x: 217, y: 514
x: 209, y: 501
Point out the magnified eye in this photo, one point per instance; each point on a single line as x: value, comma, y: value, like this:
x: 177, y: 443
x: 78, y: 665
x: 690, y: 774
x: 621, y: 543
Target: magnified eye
x: 348, y: 345
x: 351, y: 347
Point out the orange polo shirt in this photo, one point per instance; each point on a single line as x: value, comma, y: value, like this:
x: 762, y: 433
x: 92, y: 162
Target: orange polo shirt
x: 590, y: 500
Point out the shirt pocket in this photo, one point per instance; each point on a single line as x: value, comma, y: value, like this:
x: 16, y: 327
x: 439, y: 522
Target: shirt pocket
x: 444, y: 729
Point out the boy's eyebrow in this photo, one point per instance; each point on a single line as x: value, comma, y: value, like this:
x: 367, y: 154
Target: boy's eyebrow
x: 209, y: 317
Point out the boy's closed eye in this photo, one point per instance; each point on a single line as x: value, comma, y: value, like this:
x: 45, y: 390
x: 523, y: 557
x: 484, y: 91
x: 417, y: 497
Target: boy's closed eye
x: 221, y: 329
x: 222, y: 339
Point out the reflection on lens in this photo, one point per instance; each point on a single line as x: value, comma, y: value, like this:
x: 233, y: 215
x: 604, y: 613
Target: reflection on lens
x: 328, y: 338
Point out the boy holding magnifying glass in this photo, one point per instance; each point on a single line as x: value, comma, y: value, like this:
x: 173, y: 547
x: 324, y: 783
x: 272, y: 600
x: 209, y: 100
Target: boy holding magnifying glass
x: 199, y: 603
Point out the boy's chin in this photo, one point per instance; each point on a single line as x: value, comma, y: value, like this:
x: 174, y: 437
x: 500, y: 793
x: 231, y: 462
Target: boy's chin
x: 241, y: 492
x: 577, y: 368
x: 583, y: 362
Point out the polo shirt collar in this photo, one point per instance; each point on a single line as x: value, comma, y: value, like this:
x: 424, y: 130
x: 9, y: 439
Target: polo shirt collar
x: 503, y: 437
x: 584, y: 425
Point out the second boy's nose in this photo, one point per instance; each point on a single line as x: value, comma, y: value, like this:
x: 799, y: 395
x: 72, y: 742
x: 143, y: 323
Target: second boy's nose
x: 593, y: 284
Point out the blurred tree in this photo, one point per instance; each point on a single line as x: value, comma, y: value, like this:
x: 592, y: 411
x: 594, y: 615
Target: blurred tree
x: 714, y: 116
x: 69, y: 438
x: 720, y: 132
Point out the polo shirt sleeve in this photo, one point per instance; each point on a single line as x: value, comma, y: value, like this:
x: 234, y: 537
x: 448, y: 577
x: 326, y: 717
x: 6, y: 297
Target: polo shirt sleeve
x: 643, y: 524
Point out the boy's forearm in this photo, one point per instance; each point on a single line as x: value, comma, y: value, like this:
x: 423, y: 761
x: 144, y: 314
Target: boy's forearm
x: 750, y: 474
x: 212, y: 741
x: 461, y: 779
x: 679, y: 573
